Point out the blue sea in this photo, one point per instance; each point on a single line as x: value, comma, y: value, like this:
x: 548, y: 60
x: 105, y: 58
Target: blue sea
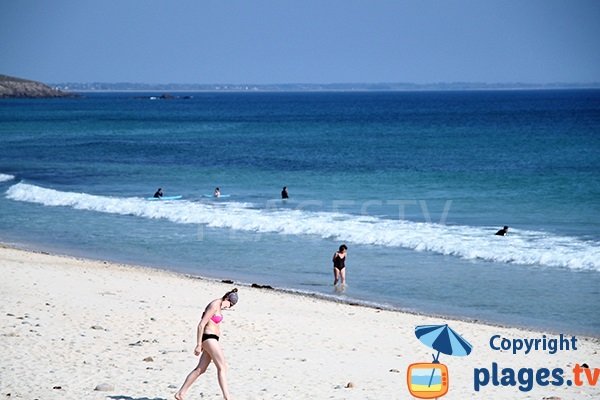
x: 415, y: 183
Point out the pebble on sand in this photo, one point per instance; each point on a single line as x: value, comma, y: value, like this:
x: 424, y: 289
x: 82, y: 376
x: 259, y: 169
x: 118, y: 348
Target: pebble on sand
x: 104, y: 387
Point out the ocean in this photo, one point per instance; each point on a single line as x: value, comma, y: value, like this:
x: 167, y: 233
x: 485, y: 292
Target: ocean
x: 414, y: 183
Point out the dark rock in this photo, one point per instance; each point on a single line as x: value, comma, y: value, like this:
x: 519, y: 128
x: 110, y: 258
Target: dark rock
x: 227, y: 281
x: 257, y: 286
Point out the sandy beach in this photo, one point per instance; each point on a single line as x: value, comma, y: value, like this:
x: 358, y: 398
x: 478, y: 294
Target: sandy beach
x: 68, y: 325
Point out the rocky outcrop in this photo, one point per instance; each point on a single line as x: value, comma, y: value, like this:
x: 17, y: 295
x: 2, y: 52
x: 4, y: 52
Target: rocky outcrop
x: 11, y: 87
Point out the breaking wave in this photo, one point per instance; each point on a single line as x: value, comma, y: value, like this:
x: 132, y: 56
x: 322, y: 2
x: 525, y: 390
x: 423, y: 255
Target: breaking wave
x: 466, y: 242
x: 6, y: 177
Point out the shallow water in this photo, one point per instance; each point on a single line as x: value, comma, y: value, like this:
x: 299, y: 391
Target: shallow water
x: 415, y: 183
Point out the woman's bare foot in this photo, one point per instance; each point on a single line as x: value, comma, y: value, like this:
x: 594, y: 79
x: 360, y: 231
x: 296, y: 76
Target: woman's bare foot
x: 178, y: 396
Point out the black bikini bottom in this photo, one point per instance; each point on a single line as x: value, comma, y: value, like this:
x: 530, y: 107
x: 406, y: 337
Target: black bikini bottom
x: 206, y: 336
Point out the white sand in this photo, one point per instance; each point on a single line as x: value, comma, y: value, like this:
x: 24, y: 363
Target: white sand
x: 73, y: 323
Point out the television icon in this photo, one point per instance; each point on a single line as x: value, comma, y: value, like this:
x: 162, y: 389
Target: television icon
x: 427, y: 380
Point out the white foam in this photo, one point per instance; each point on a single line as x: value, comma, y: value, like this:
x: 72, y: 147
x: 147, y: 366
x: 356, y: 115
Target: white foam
x: 6, y: 177
x: 467, y: 242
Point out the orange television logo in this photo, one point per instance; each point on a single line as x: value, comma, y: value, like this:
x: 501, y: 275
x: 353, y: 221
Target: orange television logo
x: 427, y: 380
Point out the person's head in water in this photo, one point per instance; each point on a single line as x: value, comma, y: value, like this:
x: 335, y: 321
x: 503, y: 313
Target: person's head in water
x: 231, y: 297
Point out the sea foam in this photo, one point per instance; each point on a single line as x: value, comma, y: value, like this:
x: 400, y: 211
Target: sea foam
x: 466, y: 242
x: 6, y: 177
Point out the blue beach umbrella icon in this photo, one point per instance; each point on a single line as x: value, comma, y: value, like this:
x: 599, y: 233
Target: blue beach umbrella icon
x: 443, y: 339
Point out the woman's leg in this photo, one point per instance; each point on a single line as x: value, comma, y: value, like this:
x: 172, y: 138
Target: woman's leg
x: 192, y: 376
x: 216, y: 354
x: 336, y: 276
x: 343, y: 275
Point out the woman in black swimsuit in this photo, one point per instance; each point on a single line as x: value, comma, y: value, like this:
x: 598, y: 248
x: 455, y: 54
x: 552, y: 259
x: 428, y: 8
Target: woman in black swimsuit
x: 339, y: 265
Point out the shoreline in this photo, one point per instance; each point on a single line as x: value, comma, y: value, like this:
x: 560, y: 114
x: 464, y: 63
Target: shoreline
x: 298, y: 292
x: 70, y: 324
x: 301, y: 293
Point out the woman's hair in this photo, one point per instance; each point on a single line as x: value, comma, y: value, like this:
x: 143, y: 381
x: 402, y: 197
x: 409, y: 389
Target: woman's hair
x: 231, y: 296
x: 343, y: 247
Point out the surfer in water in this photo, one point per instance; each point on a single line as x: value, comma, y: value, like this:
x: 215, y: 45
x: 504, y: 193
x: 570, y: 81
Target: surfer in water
x: 217, y: 192
x: 158, y: 193
x: 503, y: 231
x: 284, y: 193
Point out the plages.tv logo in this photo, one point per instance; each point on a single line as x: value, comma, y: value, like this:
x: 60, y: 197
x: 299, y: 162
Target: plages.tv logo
x: 430, y: 380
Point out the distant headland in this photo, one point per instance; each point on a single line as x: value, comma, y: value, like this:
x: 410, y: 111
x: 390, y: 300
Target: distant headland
x: 11, y: 87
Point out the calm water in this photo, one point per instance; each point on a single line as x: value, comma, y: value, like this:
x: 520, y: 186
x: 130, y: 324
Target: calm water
x: 416, y: 184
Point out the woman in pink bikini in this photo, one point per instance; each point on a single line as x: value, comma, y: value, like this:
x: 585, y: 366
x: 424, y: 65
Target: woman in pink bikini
x: 208, y: 344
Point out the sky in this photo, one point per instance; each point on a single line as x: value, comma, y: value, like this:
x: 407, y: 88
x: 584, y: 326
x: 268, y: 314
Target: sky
x: 303, y: 41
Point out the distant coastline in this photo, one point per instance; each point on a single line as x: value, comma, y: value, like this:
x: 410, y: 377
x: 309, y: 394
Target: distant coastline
x: 13, y: 87
x: 312, y: 87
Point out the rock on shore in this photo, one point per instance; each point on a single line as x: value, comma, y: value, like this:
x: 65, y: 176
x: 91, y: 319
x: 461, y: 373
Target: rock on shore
x: 11, y: 87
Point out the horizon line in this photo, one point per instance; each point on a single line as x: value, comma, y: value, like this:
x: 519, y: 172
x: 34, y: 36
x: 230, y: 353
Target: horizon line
x: 337, y: 83
x: 314, y: 87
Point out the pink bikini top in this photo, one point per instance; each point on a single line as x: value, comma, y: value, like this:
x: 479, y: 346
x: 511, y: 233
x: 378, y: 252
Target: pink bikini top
x: 216, y: 318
